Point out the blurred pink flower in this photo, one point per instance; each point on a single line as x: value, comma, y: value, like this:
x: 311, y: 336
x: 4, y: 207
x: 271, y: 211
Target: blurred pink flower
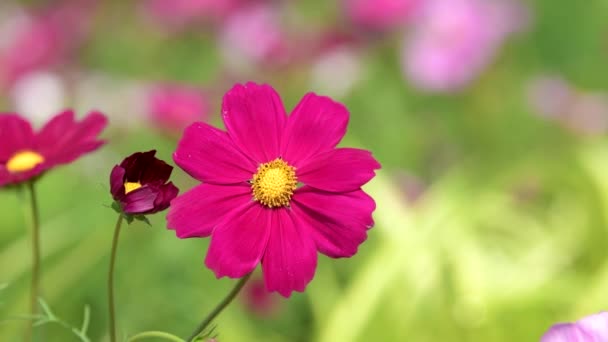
x: 254, y: 35
x: 552, y: 97
x: 454, y: 40
x: 258, y: 299
x: 45, y: 39
x: 592, y: 328
x: 178, y: 13
x: 172, y: 108
x: 380, y: 15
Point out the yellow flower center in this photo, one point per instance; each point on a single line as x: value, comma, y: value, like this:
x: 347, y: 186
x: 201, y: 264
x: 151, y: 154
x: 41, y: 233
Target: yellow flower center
x: 131, y: 186
x: 24, y: 161
x: 274, y: 183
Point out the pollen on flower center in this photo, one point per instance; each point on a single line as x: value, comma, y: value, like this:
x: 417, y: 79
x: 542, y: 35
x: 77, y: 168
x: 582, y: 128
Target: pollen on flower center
x: 131, y: 186
x: 24, y: 161
x: 274, y: 183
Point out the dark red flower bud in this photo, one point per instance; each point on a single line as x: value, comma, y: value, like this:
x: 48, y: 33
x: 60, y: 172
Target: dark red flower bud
x: 139, y: 184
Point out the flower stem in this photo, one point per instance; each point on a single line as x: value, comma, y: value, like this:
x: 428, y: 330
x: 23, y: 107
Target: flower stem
x: 219, y: 308
x: 35, y: 281
x: 112, y: 314
x: 157, y: 334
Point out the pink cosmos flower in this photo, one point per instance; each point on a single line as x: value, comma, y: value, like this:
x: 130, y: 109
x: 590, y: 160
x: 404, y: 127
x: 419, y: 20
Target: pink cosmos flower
x: 172, y: 108
x: 454, y: 40
x: 25, y: 154
x: 380, y: 15
x: 592, y: 328
x: 275, y: 188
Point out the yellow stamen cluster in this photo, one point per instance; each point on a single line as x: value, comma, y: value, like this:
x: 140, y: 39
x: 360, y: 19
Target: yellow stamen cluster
x: 131, y: 186
x: 273, y: 183
x: 24, y: 161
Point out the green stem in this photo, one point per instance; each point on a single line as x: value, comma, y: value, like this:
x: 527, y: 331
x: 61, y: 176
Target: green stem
x: 219, y: 308
x: 158, y: 334
x: 35, y: 281
x: 111, y: 310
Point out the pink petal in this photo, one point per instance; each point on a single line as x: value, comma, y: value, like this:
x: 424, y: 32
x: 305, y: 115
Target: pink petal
x: 209, y: 155
x: 255, y: 118
x: 596, y: 324
x: 290, y: 259
x: 316, y: 125
x: 63, y: 139
x: 339, y: 170
x: 117, y: 179
x: 139, y: 201
x: 15, y: 135
x: 338, y: 222
x: 238, y: 242
x: 198, y: 211
x: 567, y: 332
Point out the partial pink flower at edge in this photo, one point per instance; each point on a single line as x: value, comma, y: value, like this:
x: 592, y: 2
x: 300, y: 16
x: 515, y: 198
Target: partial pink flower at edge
x: 250, y: 201
x: 25, y: 154
x: 592, y: 328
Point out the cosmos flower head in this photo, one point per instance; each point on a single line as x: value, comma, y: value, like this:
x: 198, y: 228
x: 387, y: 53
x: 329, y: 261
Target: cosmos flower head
x: 275, y: 189
x: 592, y: 328
x: 140, y: 184
x: 25, y: 154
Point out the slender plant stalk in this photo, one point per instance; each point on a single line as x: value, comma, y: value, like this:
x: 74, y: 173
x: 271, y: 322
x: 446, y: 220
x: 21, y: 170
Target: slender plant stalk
x: 111, y: 310
x: 155, y: 334
x: 219, y: 308
x: 35, y: 281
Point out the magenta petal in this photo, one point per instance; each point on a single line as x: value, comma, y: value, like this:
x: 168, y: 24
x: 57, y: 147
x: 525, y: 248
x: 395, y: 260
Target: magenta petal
x: 209, y: 155
x: 117, y: 181
x: 290, y: 259
x: 338, y: 222
x: 62, y: 139
x: 316, y: 125
x: 255, y: 118
x: 139, y: 201
x: 166, y: 194
x: 15, y: 134
x: 238, y: 242
x: 567, y: 332
x: 197, y: 212
x: 339, y: 170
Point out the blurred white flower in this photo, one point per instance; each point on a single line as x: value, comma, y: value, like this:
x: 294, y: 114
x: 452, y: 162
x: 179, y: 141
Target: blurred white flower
x: 39, y: 95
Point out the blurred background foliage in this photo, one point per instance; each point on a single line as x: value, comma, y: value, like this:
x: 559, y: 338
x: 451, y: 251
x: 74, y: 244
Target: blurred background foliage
x: 491, y: 205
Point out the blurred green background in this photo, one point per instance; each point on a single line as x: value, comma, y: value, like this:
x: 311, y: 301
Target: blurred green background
x: 491, y: 219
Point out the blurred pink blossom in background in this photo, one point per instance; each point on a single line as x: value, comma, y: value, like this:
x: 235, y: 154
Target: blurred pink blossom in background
x: 43, y: 40
x: 258, y: 300
x: 380, y: 15
x: 178, y: 13
x: 254, y: 35
x: 171, y: 108
x: 454, y: 40
x: 552, y: 97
